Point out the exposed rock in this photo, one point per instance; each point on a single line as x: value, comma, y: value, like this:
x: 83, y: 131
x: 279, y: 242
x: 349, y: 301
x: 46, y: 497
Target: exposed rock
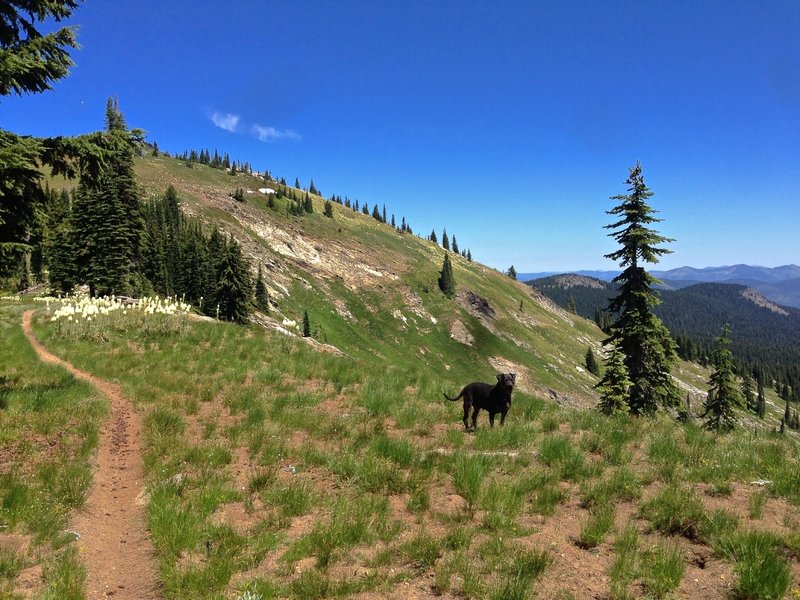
x: 460, y: 333
x: 476, y: 305
x: 759, y: 300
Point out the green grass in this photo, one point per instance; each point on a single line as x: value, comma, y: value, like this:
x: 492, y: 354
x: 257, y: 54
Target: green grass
x: 662, y: 569
x: 761, y: 568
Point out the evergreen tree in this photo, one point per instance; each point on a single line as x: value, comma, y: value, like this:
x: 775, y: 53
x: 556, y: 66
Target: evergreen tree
x: 297, y: 183
x: 750, y: 399
x: 312, y: 189
x: 233, y: 287
x: 723, y: 394
x: 306, y: 325
x: 761, y: 401
x: 328, y: 209
x: 30, y: 61
x: 512, y: 272
x: 308, y: 205
x: 365, y: 209
x: 455, y: 246
x: 261, y: 295
x: 469, y: 255
x: 433, y: 237
x: 394, y: 224
x: 445, y: 240
x: 376, y: 213
x: 446, y: 281
x: 646, y: 343
x: 590, y: 360
x: 615, y: 384
x: 383, y: 216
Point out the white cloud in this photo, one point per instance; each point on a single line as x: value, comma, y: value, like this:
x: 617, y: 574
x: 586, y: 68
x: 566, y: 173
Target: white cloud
x: 226, y: 121
x: 269, y: 134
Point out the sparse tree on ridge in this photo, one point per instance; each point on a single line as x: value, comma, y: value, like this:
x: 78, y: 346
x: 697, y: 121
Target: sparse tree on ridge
x: 649, y: 350
x: 723, y: 393
x: 446, y: 280
x: 445, y: 240
x: 433, y: 237
x: 455, y: 246
x: 512, y: 272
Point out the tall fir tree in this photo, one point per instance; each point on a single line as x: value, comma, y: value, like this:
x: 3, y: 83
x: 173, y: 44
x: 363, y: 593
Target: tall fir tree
x: 761, y: 401
x: 748, y: 395
x: 614, y: 387
x: 454, y: 246
x: 645, y: 342
x: 589, y: 359
x: 433, y: 237
x: 445, y: 240
x: 261, y: 294
x: 306, y: 324
x: 447, y: 282
x: 723, y: 394
x: 233, y: 286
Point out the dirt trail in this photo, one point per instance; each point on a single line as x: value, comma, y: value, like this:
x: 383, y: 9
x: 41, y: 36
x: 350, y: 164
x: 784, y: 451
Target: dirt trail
x: 114, y: 542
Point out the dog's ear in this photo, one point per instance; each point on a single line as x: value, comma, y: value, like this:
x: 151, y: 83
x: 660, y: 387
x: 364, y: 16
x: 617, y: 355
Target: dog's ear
x: 500, y: 376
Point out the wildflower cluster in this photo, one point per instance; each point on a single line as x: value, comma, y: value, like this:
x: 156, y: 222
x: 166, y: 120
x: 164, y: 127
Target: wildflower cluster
x: 81, y: 315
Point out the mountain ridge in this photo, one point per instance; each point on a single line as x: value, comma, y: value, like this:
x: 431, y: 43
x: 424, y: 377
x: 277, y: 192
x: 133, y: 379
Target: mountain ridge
x: 780, y: 284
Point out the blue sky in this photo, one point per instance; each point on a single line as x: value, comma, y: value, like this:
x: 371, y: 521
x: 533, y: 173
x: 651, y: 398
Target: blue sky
x: 508, y: 123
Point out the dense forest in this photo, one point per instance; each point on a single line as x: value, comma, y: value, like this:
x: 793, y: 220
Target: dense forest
x: 763, y: 341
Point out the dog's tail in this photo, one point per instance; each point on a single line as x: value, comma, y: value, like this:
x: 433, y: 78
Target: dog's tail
x: 453, y: 399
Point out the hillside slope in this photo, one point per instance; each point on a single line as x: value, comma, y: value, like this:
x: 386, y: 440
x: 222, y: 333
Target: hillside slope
x: 371, y: 292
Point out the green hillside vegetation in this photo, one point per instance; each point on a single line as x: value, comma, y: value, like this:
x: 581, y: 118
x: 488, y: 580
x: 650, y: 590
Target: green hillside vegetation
x: 288, y: 472
x: 287, y: 467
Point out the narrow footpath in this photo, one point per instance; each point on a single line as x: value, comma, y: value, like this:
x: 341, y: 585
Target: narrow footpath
x: 114, y: 542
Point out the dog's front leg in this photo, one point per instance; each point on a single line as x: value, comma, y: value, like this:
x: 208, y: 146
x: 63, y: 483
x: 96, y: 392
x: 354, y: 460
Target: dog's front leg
x: 491, y: 419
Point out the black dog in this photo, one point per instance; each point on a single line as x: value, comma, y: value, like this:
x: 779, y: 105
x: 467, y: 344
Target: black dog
x: 492, y: 398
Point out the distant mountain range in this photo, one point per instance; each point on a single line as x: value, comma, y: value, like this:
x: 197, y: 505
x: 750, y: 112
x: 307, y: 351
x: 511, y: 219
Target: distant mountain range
x: 764, y: 334
x: 779, y: 284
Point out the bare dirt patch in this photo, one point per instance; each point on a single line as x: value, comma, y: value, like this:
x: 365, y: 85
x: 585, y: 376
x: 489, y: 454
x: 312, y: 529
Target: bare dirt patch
x: 114, y: 543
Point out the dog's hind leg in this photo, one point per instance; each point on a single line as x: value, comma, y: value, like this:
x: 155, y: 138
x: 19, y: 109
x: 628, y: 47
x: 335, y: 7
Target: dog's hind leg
x: 491, y: 419
x: 475, y: 412
x: 466, y: 416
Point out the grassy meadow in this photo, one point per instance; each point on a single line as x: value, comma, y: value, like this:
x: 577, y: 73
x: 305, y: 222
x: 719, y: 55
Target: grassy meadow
x: 275, y: 470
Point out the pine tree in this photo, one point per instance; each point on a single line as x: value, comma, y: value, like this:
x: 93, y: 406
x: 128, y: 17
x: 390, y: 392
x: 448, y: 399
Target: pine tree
x: 328, y: 209
x: 649, y: 350
x: 433, y: 237
x: 512, y: 272
x: 308, y: 205
x: 306, y: 325
x: 590, y: 360
x: 297, y: 183
x: 261, y: 294
x: 469, y: 255
x: 445, y: 240
x: 761, y: 401
x: 376, y: 213
x: 233, y: 288
x: 446, y: 281
x: 31, y: 61
x: 723, y: 394
x: 455, y: 245
x: 615, y: 384
x: 750, y: 400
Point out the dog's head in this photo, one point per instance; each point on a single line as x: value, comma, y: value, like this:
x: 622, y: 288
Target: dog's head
x: 506, y: 381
